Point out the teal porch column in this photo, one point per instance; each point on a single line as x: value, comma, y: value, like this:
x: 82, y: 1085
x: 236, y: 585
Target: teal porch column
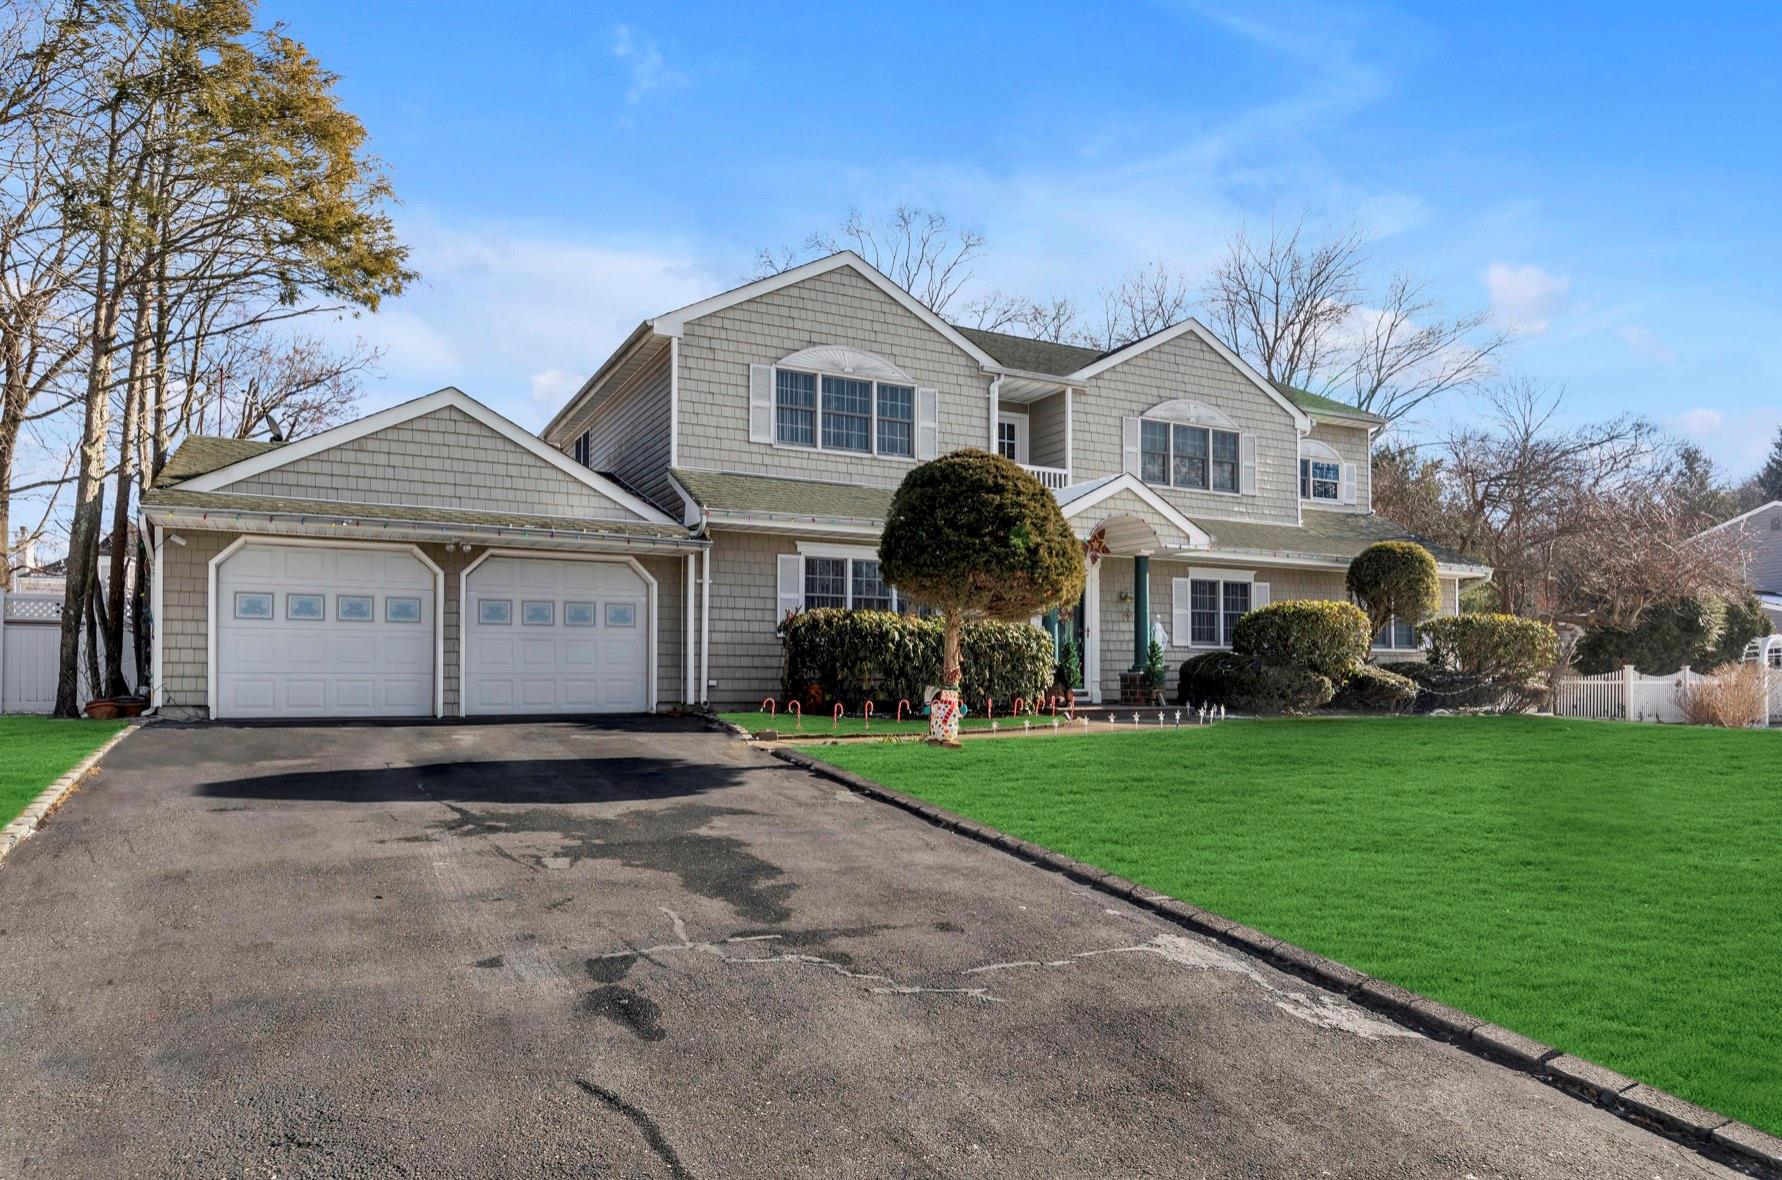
x: 1141, y: 610
x: 1051, y: 623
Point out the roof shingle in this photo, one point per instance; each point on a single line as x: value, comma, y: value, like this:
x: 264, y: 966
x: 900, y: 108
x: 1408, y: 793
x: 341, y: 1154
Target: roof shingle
x: 1032, y: 356
x: 200, y: 454
x: 284, y: 506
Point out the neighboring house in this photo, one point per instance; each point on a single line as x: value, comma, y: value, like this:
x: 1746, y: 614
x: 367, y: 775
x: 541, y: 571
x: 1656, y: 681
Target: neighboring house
x: 1761, y: 533
x: 776, y: 419
x: 432, y: 559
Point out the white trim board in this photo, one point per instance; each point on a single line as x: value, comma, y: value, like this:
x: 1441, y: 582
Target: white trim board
x: 210, y: 609
x: 1199, y: 330
x: 1127, y: 482
x: 674, y: 322
x: 291, y: 452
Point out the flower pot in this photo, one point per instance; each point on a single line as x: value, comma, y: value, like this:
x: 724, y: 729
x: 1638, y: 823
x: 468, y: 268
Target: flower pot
x: 131, y: 706
x: 102, y: 709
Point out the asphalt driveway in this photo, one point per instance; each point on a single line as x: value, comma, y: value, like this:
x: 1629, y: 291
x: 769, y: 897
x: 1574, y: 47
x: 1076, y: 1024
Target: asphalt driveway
x: 647, y: 951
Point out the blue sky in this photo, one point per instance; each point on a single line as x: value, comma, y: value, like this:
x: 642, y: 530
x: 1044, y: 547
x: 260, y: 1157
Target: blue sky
x: 1604, y: 178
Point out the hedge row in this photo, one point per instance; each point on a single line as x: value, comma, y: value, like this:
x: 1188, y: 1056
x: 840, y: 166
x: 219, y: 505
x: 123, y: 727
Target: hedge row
x: 850, y: 656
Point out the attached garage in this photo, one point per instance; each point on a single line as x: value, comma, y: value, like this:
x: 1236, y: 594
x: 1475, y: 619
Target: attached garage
x: 557, y: 635
x: 316, y: 630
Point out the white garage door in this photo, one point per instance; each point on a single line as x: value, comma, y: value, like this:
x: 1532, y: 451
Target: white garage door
x: 304, y: 631
x: 547, y: 635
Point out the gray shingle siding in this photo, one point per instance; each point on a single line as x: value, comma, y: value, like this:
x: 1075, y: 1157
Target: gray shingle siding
x: 1187, y: 368
x: 835, y: 307
x: 444, y: 459
x: 629, y: 436
x: 1352, y: 444
x: 1046, y: 432
x: 1764, y: 562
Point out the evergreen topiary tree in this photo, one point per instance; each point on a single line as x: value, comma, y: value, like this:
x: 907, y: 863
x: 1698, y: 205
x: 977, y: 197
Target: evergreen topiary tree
x: 976, y: 537
x: 1395, y: 579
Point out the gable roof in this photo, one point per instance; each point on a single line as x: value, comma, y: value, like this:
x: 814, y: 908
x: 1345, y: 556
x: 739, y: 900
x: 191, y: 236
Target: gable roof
x: 1080, y: 497
x: 219, y: 478
x: 672, y: 323
x: 1741, y: 518
x: 1193, y: 327
x: 200, y: 454
x: 1030, y: 355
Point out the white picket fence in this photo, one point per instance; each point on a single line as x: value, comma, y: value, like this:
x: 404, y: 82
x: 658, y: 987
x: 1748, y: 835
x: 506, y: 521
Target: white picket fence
x: 1629, y: 695
x: 31, y: 649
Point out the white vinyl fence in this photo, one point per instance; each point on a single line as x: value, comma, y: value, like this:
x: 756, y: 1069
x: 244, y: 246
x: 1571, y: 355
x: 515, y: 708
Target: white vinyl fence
x: 30, y: 653
x: 1629, y: 695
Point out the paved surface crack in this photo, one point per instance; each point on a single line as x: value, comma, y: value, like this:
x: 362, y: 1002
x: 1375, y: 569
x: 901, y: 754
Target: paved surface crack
x: 1319, y: 1008
x: 641, y: 1119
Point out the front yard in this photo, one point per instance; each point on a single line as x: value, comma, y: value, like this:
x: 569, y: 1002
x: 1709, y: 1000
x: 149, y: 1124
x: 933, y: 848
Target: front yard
x: 36, y: 751
x: 1609, y: 889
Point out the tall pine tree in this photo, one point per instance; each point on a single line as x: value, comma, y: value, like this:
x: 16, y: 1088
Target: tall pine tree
x: 1769, y: 479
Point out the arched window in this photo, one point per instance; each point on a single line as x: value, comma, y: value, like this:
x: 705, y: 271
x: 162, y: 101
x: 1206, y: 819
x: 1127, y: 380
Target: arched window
x: 1189, y: 444
x: 833, y: 397
x: 1320, y: 472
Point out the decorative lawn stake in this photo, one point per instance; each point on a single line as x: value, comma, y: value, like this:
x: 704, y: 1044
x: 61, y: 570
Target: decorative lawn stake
x: 770, y: 706
x: 1178, y: 718
x: 974, y: 536
x: 990, y: 708
x: 901, y: 706
x: 797, y: 711
x: 836, y: 724
x: 1026, y: 727
x: 869, y: 714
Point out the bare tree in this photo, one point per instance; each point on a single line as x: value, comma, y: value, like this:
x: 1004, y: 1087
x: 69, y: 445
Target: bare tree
x: 1581, y: 525
x: 256, y: 385
x: 1147, y: 300
x: 1053, y: 319
x: 918, y: 249
x: 1299, y: 310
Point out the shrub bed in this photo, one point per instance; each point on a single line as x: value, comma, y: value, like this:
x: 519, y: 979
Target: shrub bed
x: 840, y: 656
x: 1373, y: 689
x: 1244, y: 684
x: 1328, y: 638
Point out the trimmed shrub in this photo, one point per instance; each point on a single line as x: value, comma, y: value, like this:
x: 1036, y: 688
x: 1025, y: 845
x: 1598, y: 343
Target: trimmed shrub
x: 1243, y: 684
x: 1395, y: 579
x: 1745, y: 621
x: 1373, y: 689
x: 1491, y: 647
x: 841, y: 656
x: 1668, y: 636
x: 1328, y: 638
x: 1448, y: 690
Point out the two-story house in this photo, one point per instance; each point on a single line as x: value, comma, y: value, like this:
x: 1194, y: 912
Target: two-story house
x: 778, y: 418
x: 732, y: 461
x: 1760, y: 535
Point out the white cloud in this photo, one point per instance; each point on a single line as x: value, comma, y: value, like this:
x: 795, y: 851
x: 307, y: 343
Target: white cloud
x: 516, y: 315
x: 649, y: 72
x: 1701, y: 422
x: 1645, y: 343
x: 1523, y: 298
x: 552, y: 387
x: 1737, y: 439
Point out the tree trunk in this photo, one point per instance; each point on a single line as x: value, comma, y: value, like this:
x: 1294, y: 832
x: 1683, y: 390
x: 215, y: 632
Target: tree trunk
x: 94, y: 609
x: 943, y: 711
x: 139, y: 625
x: 89, y: 500
x: 134, y: 394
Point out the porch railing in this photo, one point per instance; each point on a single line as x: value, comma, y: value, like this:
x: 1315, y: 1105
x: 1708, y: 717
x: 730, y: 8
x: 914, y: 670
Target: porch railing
x: 1052, y: 477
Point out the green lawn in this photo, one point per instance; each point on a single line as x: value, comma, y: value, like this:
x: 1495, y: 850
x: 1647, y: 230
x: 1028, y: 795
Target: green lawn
x: 824, y: 725
x: 1614, y: 890
x: 35, y: 751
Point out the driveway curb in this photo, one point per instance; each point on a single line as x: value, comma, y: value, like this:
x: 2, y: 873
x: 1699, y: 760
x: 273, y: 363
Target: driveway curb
x: 1753, y: 1151
x: 39, y: 809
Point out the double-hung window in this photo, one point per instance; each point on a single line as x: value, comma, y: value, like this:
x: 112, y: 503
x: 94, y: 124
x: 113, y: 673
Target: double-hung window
x: 849, y: 583
x: 1398, y: 635
x: 1320, y: 479
x: 584, y: 448
x: 1208, y: 606
x: 839, y: 413
x: 1197, y: 458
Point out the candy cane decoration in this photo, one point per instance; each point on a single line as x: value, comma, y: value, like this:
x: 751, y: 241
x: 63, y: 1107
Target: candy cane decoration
x: 797, y: 711
x: 901, y: 706
x: 990, y: 708
x: 1018, y: 703
x: 869, y: 714
x: 770, y: 706
x: 836, y: 724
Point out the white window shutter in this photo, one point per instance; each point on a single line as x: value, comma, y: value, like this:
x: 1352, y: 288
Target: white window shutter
x: 1258, y: 594
x: 1247, y: 465
x: 927, y: 424
x: 791, y: 585
x: 761, y: 403
x: 1347, y: 487
x: 1180, y: 600
x: 1129, y: 446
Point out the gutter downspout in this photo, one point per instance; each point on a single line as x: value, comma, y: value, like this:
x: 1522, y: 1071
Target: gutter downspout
x: 995, y: 411
x: 692, y: 572
x: 705, y: 626
x: 674, y: 401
